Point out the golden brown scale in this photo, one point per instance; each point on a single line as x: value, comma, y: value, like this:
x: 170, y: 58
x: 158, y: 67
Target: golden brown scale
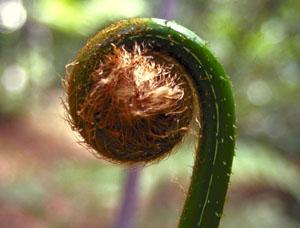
x: 139, y: 105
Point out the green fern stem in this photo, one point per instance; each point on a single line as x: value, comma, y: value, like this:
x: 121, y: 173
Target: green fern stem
x: 212, y: 169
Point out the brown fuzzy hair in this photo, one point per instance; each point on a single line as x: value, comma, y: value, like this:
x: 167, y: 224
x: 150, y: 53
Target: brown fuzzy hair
x: 138, y: 107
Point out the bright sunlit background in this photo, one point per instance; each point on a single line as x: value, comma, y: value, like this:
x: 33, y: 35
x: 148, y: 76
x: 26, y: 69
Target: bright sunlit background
x: 48, y: 180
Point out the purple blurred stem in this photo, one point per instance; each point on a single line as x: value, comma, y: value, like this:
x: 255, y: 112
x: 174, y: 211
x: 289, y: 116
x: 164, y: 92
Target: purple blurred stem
x: 127, y: 213
x: 126, y: 218
x: 167, y: 9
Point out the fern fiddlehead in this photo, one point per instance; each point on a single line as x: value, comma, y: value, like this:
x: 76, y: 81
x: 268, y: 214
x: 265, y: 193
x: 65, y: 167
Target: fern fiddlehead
x: 129, y: 96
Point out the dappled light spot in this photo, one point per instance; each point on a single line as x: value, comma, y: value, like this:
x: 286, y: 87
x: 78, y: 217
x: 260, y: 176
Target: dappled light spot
x: 14, y: 79
x: 12, y: 16
x: 259, y: 92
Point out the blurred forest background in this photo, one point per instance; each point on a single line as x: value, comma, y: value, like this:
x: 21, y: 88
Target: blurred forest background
x: 48, y: 180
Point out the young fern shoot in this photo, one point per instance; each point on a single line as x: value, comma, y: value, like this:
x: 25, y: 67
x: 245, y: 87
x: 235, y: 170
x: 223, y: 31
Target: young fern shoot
x: 132, y: 94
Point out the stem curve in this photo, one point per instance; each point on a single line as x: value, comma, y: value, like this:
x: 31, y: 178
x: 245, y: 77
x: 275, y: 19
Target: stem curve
x: 212, y: 169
